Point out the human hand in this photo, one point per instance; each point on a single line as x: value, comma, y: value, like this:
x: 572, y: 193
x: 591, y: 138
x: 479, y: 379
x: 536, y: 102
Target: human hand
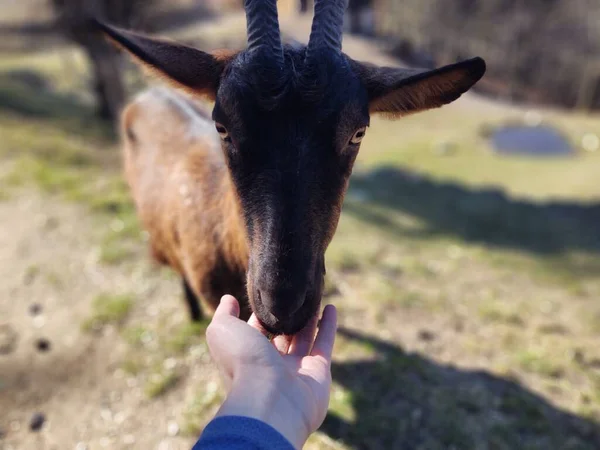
x: 284, y: 383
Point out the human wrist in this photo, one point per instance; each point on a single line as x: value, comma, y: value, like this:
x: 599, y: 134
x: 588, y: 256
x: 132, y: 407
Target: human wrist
x: 261, y: 396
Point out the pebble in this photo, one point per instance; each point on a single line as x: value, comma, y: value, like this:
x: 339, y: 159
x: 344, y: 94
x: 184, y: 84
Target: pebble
x: 590, y: 142
x: 35, y: 309
x: 120, y: 417
x: 129, y: 439
x: 81, y: 446
x: 172, y: 429
x: 39, y: 321
x: 426, y: 335
x: 104, y: 442
x: 43, y: 345
x: 15, y: 426
x: 37, y: 422
x: 169, y: 363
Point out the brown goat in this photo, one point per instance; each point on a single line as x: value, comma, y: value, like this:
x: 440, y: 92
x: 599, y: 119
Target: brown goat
x: 250, y: 209
x: 183, y: 195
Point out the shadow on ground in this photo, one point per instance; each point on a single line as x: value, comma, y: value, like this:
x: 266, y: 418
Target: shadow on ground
x: 486, y: 216
x: 31, y: 95
x: 405, y: 401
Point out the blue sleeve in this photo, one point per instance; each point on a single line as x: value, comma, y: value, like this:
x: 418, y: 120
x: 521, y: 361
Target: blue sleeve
x: 240, y: 433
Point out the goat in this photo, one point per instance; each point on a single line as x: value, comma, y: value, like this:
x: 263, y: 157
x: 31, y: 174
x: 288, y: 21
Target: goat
x: 257, y: 216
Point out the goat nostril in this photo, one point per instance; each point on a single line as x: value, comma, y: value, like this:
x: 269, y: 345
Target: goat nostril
x: 258, y: 295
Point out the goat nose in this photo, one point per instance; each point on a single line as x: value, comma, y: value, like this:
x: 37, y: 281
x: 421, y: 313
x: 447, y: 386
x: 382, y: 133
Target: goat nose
x: 282, y: 304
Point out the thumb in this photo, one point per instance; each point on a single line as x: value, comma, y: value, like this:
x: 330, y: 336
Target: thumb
x: 218, y: 336
x: 228, y: 306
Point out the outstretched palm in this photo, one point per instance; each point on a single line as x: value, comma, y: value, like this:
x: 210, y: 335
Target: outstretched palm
x: 292, y: 374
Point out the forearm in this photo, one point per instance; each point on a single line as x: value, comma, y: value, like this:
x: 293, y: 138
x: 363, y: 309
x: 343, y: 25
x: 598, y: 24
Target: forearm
x: 266, y: 401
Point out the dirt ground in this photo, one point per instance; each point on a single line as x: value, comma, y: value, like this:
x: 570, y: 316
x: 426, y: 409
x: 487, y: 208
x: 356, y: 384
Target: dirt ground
x: 48, y: 259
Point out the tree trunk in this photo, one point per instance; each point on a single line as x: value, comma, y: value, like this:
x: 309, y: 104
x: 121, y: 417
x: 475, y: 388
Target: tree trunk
x: 107, y: 83
x: 72, y: 19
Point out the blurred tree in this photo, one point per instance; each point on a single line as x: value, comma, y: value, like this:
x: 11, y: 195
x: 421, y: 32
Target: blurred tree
x: 73, y: 21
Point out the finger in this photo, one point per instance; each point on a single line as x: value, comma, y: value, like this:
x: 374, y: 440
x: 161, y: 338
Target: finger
x: 303, y: 341
x: 255, y: 323
x: 326, y: 336
x: 282, y: 343
x: 228, y: 306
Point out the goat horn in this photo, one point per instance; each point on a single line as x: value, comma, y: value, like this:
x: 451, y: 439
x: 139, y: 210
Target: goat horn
x: 263, y: 27
x: 327, y: 27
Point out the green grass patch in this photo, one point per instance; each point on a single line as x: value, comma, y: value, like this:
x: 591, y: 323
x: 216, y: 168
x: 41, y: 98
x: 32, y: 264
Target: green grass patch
x: 539, y: 363
x: 201, y: 409
x: 160, y: 383
x: 132, y: 364
x: 137, y: 335
x: 114, y: 252
x: 54, y: 279
x: 109, y: 309
x: 4, y: 195
x: 501, y: 314
x: 184, y: 336
x: 341, y: 402
x: 31, y: 273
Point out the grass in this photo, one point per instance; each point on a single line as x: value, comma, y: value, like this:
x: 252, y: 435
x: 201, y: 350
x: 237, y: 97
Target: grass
x: 137, y: 336
x: 54, y: 279
x: 466, y: 245
x: 538, y: 363
x: 496, y: 313
x: 184, y: 337
x: 109, y: 309
x: 201, y: 409
x: 133, y: 365
x: 31, y: 273
x: 161, y: 382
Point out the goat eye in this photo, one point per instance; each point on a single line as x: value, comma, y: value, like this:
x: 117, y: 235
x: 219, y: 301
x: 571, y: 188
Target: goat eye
x: 223, y: 132
x: 358, y: 135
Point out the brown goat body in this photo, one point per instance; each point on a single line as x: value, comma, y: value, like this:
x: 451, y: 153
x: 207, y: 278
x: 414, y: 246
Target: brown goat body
x: 184, y: 197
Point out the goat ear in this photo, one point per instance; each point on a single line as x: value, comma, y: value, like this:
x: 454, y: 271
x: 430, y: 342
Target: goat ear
x: 194, y: 70
x: 398, y: 92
